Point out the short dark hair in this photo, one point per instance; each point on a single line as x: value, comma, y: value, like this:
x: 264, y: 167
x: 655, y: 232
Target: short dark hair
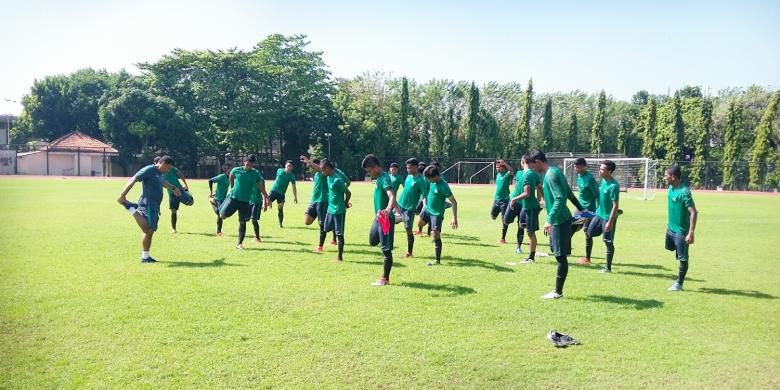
x: 539, y: 156
x: 369, y: 161
x: 526, y: 159
x: 393, y: 165
x: 288, y: 162
x: 250, y: 158
x: 327, y: 163
x: 675, y: 171
x: 316, y: 161
x: 421, y: 165
x: 431, y: 171
x: 610, y: 165
x: 435, y: 164
x: 156, y: 159
x: 167, y: 160
x: 412, y: 161
x: 579, y: 161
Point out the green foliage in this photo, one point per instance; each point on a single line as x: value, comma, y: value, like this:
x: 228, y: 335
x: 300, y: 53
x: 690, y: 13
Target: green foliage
x: 701, y: 145
x: 571, y: 135
x: 672, y: 132
x: 648, y: 129
x: 731, y: 148
x: 762, y: 146
x: 547, y: 126
x: 597, y: 130
x: 523, y: 133
x: 473, y: 120
x: 405, y: 112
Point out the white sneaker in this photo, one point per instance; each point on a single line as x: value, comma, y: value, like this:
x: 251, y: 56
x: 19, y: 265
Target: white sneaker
x: 552, y: 295
x: 675, y: 287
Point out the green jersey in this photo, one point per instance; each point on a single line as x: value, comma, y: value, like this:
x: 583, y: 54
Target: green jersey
x: 255, y: 199
x: 556, y: 191
x: 679, y: 200
x: 413, y: 188
x: 343, y: 176
x: 518, y: 189
x: 530, y: 178
x: 503, y: 179
x: 172, y: 177
x: 319, y: 192
x: 380, y: 192
x: 437, y: 194
x: 336, y: 190
x: 395, y: 182
x: 609, y: 193
x: 223, y: 182
x: 283, y: 179
x: 244, y: 183
x: 588, y: 191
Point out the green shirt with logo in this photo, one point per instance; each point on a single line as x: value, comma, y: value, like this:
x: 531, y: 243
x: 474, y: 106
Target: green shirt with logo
x: 503, y: 179
x: 556, y: 191
x: 530, y: 178
x: 588, y: 191
x: 609, y: 193
x: 380, y: 192
x: 413, y: 188
x: 223, y: 182
x: 336, y: 190
x: 244, y: 183
x: 283, y: 179
x: 172, y: 177
x: 679, y: 199
x: 437, y: 195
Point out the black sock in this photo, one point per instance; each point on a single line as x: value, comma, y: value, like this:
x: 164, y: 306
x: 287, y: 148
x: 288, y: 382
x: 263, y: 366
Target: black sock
x: 532, y: 255
x: 280, y: 214
x: 256, y: 225
x: 429, y: 229
x: 588, y: 246
x: 610, y: 254
x: 174, y: 218
x: 340, y: 240
x: 219, y: 225
x: 520, y: 234
x: 241, y: 232
x: 323, y: 235
x: 563, y: 270
x: 683, y: 271
x: 409, y: 242
x: 388, y: 263
x: 437, y: 249
x: 504, y: 228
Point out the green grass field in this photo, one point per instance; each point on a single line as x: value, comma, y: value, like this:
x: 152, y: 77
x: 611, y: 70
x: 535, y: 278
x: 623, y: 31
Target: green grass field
x: 77, y: 309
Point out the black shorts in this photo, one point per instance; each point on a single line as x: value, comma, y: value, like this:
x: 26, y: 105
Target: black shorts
x: 529, y: 219
x: 231, y: 205
x: 436, y: 221
x: 174, y: 201
x: 560, y: 239
x: 150, y: 211
x: 335, y: 223
x: 595, y: 228
x: 676, y: 242
x: 317, y: 210
x: 376, y: 237
x: 512, y: 212
x: 419, y: 208
x: 255, y: 211
x: 274, y: 196
x: 499, y: 208
x: 408, y: 216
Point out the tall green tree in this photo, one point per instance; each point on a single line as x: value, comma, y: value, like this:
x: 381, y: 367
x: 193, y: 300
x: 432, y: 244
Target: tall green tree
x: 701, y: 145
x: 547, y: 126
x: 762, y: 144
x: 571, y: 135
x: 731, y: 145
x: 404, y: 131
x: 472, y: 120
x: 648, y: 129
x: 597, y: 130
x: 523, y: 133
x: 674, y: 132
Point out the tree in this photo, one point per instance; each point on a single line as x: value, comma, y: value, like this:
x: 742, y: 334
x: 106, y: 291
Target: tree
x: 701, y: 145
x: 571, y: 136
x: 472, y: 120
x: 674, y: 133
x: 762, y: 144
x: 547, y: 136
x: 403, y: 131
x: 648, y: 130
x: 731, y: 136
x: 523, y: 134
x: 597, y: 130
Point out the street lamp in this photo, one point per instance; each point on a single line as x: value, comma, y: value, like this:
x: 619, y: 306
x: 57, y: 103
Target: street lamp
x: 328, y: 134
x: 8, y: 123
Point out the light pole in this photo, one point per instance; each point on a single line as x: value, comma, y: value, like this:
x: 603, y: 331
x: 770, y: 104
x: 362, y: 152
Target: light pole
x: 8, y: 124
x: 328, y: 134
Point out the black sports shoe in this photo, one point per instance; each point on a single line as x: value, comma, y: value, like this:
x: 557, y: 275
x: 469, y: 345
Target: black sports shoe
x: 149, y: 260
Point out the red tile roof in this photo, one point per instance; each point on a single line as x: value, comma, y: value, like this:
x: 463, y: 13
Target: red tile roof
x: 76, y: 140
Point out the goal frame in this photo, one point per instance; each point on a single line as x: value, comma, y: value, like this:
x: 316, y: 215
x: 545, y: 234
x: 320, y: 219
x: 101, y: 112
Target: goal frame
x: 648, y: 181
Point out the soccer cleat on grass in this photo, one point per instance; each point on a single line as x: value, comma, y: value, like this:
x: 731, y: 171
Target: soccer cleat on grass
x: 334, y: 243
x: 502, y: 241
x: 220, y: 234
x: 339, y: 259
x: 257, y: 240
x: 408, y: 254
x: 552, y: 295
x: 318, y: 249
x: 173, y: 231
x: 605, y: 271
x: 432, y: 263
x: 675, y: 287
x: 583, y: 261
x: 381, y: 282
x: 240, y: 247
x: 528, y: 261
x: 418, y: 233
x: 519, y: 250
x: 149, y: 260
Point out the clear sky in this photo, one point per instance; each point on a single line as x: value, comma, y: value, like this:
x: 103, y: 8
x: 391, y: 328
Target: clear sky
x: 620, y: 46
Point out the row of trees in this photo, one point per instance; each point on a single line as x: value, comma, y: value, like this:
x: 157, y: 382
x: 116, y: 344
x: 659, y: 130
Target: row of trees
x: 279, y: 99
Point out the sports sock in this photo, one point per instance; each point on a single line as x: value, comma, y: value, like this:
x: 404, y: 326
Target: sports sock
x: 437, y: 249
x: 520, y: 234
x: 429, y: 229
x: 219, y: 225
x: 409, y: 242
x: 588, y: 246
x: 174, y: 218
x: 241, y: 232
x: 683, y: 271
x: 504, y: 228
x: 532, y: 255
x: 388, y: 263
x: 256, y: 225
x: 334, y: 236
x: 145, y: 255
x: 610, y: 254
x: 340, y: 240
x: 563, y: 270
x: 280, y: 215
x: 323, y: 235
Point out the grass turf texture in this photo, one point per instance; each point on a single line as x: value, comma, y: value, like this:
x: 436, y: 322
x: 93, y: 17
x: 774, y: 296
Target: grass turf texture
x: 77, y: 309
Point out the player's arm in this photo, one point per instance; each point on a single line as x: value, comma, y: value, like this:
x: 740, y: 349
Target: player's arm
x: 176, y: 190
x: 310, y: 163
x: 295, y: 192
x: 122, y: 199
x: 391, y: 204
x: 526, y: 193
x: 612, y: 216
x: 454, y: 222
x: 266, y: 200
x: 183, y: 180
x: 507, y: 166
x: 347, y: 196
x: 694, y: 216
x: 211, y: 187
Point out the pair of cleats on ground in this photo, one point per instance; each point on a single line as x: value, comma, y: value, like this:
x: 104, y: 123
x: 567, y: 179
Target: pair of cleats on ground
x: 561, y: 340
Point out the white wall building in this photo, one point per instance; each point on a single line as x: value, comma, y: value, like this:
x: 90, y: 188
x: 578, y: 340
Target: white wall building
x: 74, y: 154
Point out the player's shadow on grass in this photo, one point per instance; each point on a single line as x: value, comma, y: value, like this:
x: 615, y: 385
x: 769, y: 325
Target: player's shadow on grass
x: 445, y: 289
x: 638, y: 304
x: 373, y: 263
x: 669, y: 276
x: 644, y: 266
x: 466, y: 243
x: 266, y: 249
x: 741, y: 293
x: 463, y: 262
x: 459, y: 237
x: 196, y: 264
x: 284, y: 242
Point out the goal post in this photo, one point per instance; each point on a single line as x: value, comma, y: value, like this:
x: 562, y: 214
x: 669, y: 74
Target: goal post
x: 637, y: 174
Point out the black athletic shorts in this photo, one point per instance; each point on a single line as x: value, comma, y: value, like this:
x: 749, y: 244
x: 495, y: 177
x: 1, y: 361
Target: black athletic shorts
x: 276, y: 197
x: 376, y: 237
x: 335, y: 223
x: 419, y: 208
x: 255, y: 211
x: 512, y: 212
x: 436, y: 221
x: 596, y: 228
x: 676, y: 242
x: 499, y: 208
x: 529, y: 219
x: 317, y: 210
x: 408, y: 216
x: 231, y: 205
x: 560, y: 239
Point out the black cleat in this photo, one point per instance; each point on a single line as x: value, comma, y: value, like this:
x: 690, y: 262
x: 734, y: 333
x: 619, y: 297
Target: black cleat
x: 149, y: 260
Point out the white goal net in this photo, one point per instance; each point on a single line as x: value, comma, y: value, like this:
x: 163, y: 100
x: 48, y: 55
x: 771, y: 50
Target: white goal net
x: 637, y: 175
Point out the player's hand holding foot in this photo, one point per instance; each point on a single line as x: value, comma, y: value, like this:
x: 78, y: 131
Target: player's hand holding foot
x: 176, y: 191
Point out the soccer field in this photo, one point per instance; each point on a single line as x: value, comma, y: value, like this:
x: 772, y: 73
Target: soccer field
x: 77, y: 309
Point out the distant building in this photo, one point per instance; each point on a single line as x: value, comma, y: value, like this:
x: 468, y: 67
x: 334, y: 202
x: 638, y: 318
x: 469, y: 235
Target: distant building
x: 74, y: 154
x: 6, y: 123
